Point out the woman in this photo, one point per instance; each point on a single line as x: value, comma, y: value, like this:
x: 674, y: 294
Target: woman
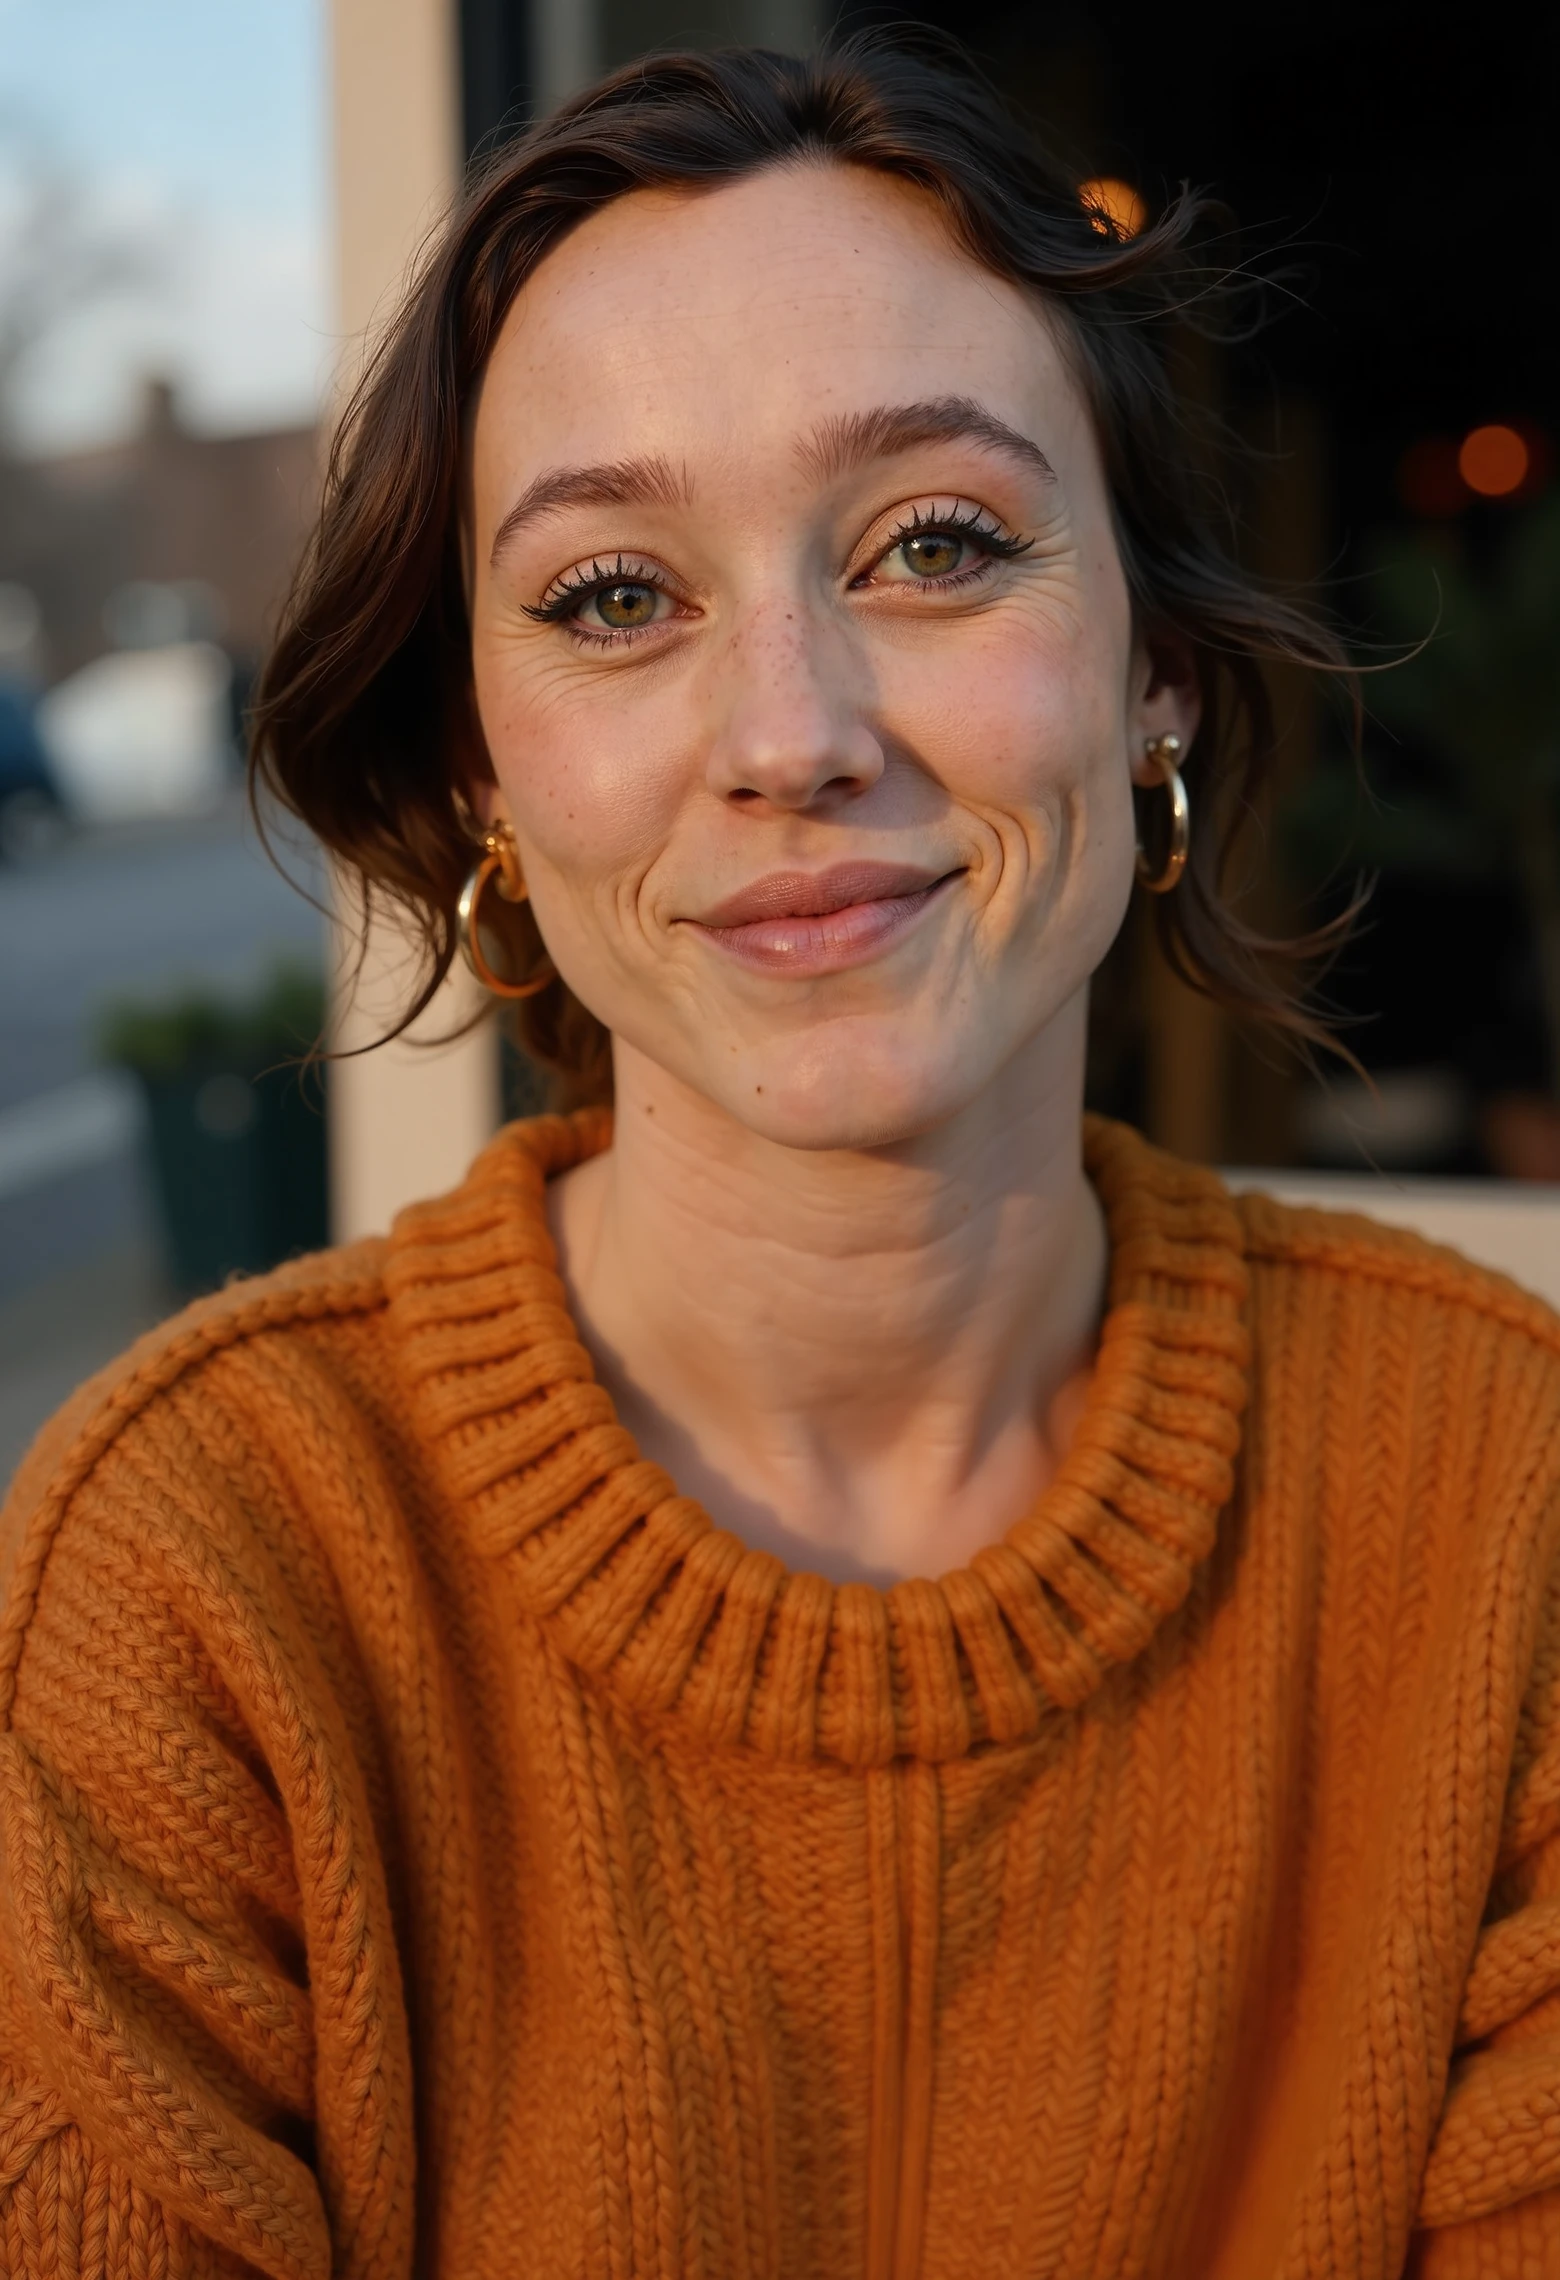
x: 1066, y: 1782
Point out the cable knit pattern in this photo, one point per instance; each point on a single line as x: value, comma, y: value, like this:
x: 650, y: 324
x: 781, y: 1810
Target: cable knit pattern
x: 679, y: 1616
x: 431, y: 1847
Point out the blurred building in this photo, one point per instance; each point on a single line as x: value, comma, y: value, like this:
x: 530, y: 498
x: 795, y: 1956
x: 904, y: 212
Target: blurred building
x: 214, y: 521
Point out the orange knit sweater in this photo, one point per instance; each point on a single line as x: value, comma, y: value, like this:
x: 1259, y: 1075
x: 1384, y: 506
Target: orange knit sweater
x: 431, y: 1848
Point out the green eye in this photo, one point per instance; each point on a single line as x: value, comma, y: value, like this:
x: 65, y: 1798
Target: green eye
x: 625, y: 605
x: 932, y: 553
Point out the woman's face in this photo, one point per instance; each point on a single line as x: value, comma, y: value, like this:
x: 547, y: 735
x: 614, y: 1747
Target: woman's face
x: 803, y: 651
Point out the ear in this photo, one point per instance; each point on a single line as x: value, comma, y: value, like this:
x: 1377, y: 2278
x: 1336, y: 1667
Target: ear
x: 486, y: 802
x: 1166, y: 699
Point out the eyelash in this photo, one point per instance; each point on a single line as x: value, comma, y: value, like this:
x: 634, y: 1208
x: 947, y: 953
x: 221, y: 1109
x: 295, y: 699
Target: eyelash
x: 575, y: 588
x: 997, y: 544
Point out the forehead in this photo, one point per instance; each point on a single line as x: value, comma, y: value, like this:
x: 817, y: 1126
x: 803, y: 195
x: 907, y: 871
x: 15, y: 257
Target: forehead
x: 681, y: 320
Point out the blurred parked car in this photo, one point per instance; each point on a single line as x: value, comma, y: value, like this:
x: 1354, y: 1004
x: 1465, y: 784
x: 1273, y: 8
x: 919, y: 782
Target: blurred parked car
x: 142, y: 732
x: 32, y: 814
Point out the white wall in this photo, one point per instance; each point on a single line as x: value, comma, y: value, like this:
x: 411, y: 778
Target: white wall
x: 1499, y: 1223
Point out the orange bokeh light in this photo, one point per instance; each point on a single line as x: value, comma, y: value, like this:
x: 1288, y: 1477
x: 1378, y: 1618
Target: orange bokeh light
x: 1493, y: 461
x: 1115, y: 205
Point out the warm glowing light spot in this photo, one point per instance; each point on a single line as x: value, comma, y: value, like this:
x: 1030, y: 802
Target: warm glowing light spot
x: 1493, y: 461
x: 1115, y: 206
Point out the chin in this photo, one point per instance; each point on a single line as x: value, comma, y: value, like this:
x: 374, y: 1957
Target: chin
x: 845, y: 1092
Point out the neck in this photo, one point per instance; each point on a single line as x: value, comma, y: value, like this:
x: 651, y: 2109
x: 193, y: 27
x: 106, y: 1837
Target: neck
x: 867, y: 1361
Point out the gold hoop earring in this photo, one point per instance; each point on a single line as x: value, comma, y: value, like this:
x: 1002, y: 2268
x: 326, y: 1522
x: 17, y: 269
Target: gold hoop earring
x: 500, y: 858
x: 1164, y: 752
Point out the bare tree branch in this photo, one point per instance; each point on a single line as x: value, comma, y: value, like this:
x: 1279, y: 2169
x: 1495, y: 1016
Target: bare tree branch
x: 57, y: 257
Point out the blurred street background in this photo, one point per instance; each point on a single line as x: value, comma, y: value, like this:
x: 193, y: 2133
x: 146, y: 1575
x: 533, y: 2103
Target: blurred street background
x: 203, y: 212
x: 167, y: 339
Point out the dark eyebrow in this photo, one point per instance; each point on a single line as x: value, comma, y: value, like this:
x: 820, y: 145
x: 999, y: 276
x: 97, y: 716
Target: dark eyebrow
x: 622, y: 483
x: 853, y: 438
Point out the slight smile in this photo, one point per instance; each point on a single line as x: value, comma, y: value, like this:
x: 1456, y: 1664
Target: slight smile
x: 803, y: 925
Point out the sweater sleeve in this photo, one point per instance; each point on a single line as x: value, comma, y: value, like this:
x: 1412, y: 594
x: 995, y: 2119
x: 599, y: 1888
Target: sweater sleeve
x: 197, y: 1984
x: 1490, y: 2201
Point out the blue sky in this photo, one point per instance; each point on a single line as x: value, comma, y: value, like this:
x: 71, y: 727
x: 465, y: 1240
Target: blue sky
x: 197, y: 129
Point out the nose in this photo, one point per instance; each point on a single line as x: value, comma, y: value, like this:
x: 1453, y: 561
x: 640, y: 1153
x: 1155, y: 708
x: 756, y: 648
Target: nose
x: 792, y: 732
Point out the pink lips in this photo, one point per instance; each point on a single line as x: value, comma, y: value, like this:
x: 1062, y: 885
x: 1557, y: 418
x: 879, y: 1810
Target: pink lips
x: 801, y: 923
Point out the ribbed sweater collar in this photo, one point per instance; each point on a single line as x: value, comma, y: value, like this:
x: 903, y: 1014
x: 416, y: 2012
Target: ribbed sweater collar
x: 678, y: 1618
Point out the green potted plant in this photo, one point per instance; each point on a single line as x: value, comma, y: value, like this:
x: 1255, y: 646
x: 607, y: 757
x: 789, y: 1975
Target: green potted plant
x: 235, y: 1122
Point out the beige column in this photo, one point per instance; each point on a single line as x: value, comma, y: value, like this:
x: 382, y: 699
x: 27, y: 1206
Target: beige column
x: 405, y: 1119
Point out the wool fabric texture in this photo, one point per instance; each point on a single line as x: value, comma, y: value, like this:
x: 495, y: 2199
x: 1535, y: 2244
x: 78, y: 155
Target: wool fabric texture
x: 430, y: 1847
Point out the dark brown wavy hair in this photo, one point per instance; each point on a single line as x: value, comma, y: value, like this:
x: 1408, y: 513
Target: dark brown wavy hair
x: 364, y: 724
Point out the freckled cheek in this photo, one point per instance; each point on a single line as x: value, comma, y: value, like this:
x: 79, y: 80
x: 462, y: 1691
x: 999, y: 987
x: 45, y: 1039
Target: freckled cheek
x: 593, y: 803
x: 1021, y: 728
